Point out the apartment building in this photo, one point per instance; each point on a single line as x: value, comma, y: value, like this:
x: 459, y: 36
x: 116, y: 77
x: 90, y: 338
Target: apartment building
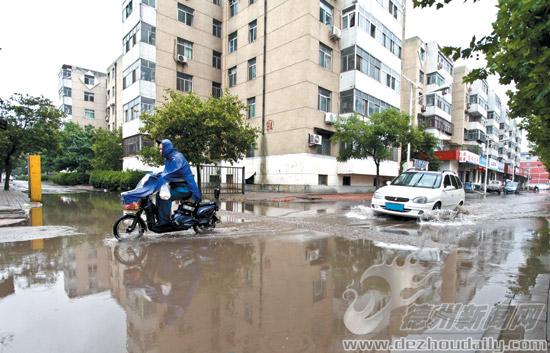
x: 166, y: 45
x: 314, y: 60
x: 427, y: 91
x: 114, y: 112
x: 483, y: 135
x: 292, y: 75
x: 83, y: 95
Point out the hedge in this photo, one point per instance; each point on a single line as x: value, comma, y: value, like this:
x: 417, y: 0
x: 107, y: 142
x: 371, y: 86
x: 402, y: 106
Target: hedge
x: 72, y: 178
x: 115, y: 180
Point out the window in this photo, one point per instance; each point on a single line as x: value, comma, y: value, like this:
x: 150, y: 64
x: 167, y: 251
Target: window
x: 372, y: 30
x: 447, y: 181
x: 127, y: 11
x: 148, y: 70
x: 233, y: 7
x: 346, y: 180
x: 251, y: 104
x: 390, y: 81
x: 250, y: 2
x: 252, y: 31
x: 216, y: 28
x: 131, y: 110
x: 435, y: 79
x: 89, y: 96
x: 130, y: 39
x: 148, y: 2
x: 184, y: 82
x: 325, y: 13
x: 216, y: 59
x: 89, y: 114
x: 185, y: 14
x: 89, y: 79
x: 148, y: 33
x: 392, y: 9
x: 232, y: 73
x: 325, y: 56
x: 216, y: 89
x: 185, y: 48
x: 67, y: 92
x: 421, y: 76
x: 233, y: 42
x: 132, y: 145
x: 323, y: 179
x: 324, y: 102
x: 130, y: 75
x: 67, y: 73
x: 252, y: 69
x: 68, y: 109
x: 217, y: 2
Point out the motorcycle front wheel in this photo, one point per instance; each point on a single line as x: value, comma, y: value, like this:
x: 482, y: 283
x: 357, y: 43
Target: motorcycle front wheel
x: 128, y: 227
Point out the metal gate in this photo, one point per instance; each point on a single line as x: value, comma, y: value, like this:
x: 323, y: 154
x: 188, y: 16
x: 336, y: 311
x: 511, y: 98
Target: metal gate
x: 230, y: 180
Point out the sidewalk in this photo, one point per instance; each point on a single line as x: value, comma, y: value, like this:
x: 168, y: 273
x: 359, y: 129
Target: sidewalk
x: 296, y: 197
x: 12, y: 207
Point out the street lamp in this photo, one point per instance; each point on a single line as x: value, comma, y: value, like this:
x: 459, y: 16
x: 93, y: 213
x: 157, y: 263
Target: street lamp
x: 411, y: 100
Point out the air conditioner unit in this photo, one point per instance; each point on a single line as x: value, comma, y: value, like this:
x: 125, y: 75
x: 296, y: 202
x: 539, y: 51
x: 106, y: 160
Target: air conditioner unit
x: 335, y: 33
x: 423, y: 108
x: 330, y: 118
x: 467, y: 105
x: 315, y: 139
x: 182, y: 59
x: 439, y: 66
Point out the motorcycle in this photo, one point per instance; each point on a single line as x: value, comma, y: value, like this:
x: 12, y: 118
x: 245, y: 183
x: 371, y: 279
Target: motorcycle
x: 199, y: 216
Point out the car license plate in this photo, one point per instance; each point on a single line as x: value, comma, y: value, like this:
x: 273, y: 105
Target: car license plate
x: 395, y: 206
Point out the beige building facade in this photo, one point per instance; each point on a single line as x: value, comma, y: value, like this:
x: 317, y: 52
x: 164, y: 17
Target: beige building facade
x: 83, y: 95
x: 289, y: 73
x: 114, y: 113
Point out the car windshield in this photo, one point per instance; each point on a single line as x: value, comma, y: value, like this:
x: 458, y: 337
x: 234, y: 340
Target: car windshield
x: 420, y: 180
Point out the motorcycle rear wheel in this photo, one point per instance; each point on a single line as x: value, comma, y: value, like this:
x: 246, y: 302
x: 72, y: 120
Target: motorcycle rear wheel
x: 122, y: 231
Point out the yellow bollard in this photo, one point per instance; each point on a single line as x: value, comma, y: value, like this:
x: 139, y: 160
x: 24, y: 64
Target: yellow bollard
x: 35, y: 179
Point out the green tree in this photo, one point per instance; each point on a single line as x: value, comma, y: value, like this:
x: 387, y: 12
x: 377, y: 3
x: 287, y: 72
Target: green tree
x: 518, y: 50
x: 76, y: 152
x: 373, y: 137
x: 107, y: 150
x: 205, y: 131
x: 423, y: 146
x: 33, y: 124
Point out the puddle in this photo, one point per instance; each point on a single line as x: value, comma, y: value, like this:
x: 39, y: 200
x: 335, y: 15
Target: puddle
x: 252, y: 286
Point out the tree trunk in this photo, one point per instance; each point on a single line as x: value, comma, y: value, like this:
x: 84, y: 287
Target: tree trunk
x: 377, y: 179
x: 8, y: 173
x: 1, y: 171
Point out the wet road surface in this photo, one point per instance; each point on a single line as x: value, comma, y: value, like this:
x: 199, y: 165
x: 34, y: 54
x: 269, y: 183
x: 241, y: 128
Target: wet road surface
x: 274, y: 278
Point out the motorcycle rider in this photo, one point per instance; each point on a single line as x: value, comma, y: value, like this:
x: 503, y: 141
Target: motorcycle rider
x: 178, y: 173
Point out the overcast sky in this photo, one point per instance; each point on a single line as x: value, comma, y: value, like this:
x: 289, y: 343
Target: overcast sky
x: 38, y: 36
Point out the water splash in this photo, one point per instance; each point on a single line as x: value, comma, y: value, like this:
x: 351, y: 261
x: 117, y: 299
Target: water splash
x: 361, y: 212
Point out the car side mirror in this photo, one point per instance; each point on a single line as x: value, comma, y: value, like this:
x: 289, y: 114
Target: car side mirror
x: 388, y: 182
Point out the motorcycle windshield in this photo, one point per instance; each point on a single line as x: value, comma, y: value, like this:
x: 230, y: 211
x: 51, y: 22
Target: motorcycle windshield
x: 144, y: 188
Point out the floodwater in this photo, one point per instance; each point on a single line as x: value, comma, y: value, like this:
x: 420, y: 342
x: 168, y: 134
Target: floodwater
x: 299, y: 280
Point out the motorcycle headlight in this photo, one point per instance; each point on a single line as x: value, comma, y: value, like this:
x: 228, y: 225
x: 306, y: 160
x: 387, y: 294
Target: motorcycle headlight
x: 420, y: 199
x: 377, y: 195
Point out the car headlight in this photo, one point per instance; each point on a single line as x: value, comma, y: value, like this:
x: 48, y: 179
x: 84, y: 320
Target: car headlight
x: 377, y: 195
x: 420, y: 199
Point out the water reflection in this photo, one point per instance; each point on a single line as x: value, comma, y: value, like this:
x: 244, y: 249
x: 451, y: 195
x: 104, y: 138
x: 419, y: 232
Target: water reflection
x: 253, y: 294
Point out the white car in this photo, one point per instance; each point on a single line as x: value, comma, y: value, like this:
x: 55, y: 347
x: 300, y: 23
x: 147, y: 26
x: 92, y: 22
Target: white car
x: 416, y: 192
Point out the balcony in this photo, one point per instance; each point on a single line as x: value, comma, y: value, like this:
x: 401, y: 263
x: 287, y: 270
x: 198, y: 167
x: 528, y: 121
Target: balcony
x: 476, y: 125
x: 475, y: 135
x: 438, y: 123
x: 477, y: 110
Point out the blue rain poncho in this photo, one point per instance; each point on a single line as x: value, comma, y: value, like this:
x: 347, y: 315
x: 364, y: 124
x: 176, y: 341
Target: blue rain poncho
x: 176, y: 169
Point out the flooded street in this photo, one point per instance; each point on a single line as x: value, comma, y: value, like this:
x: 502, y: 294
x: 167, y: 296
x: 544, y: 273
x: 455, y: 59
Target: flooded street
x: 278, y: 277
